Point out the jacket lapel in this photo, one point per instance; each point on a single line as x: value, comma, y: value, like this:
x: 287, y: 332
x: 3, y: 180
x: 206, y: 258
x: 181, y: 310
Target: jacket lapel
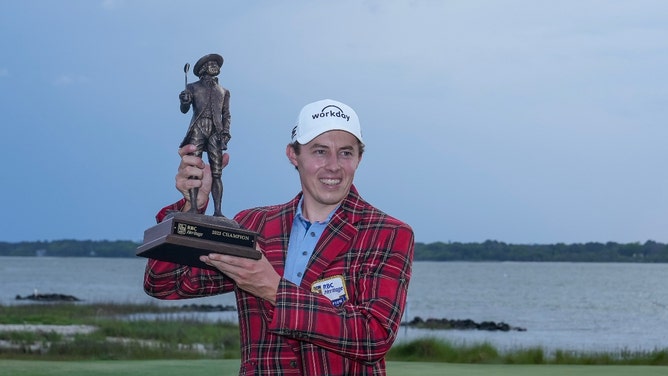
x: 282, y: 224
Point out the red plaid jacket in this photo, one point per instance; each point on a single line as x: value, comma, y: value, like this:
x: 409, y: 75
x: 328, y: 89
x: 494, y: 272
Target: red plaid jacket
x: 304, y: 333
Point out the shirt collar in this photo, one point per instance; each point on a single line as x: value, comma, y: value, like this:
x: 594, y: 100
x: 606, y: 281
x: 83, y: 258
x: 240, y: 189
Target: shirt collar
x: 299, y: 216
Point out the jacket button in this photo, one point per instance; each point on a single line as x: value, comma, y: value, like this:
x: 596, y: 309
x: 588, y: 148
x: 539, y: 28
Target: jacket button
x: 293, y: 363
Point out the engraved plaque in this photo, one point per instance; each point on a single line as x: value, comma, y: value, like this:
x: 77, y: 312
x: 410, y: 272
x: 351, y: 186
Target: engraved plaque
x: 183, y: 237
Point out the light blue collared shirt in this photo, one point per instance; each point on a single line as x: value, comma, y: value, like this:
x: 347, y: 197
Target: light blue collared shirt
x: 304, y: 237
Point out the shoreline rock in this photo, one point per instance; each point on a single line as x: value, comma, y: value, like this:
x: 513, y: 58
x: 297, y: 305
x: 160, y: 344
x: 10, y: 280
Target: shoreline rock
x: 49, y: 298
x: 432, y: 323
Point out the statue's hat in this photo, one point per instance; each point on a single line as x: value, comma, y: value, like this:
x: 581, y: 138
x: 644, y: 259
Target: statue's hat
x: 205, y: 59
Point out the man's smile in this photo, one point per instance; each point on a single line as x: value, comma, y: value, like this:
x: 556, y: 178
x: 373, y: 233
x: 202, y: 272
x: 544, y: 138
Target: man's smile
x: 330, y: 181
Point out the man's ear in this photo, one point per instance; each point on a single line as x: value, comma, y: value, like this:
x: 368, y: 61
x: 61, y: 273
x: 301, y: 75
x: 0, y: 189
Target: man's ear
x: 290, y: 153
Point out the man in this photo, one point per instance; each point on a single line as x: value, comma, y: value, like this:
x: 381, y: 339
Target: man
x: 209, y: 128
x: 327, y: 296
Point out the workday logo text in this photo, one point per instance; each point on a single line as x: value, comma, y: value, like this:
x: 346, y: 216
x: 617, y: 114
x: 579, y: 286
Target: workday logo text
x: 331, y: 111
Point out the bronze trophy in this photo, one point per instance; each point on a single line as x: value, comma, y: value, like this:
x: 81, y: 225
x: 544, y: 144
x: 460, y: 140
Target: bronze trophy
x: 183, y: 237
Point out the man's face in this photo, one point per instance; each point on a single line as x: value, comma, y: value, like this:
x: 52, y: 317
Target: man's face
x: 212, y: 68
x: 326, y: 168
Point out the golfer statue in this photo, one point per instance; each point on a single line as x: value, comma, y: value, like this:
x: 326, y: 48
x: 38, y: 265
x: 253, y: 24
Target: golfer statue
x: 209, y: 128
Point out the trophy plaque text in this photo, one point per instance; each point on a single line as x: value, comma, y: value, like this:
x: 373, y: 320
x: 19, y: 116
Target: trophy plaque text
x: 183, y: 237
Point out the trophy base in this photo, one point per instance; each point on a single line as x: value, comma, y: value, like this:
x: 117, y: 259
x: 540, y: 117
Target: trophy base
x: 182, y: 238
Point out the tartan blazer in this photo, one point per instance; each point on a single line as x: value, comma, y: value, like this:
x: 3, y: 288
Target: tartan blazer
x: 305, y: 333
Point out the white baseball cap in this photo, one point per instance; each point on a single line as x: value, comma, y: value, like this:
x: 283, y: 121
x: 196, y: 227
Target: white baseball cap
x: 322, y: 116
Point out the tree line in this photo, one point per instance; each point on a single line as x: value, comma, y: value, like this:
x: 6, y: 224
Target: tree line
x: 490, y: 250
x: 71, y: 248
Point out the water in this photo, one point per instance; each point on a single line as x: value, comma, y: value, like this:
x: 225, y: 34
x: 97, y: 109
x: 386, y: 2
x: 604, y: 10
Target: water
x: 569, y: 306
x: 94, y: 280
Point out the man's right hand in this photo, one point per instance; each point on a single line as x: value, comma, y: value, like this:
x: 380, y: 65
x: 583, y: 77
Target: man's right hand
x: 194, y: 173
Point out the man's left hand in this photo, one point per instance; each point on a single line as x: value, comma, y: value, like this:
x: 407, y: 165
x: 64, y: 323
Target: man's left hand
x: 257, y: 277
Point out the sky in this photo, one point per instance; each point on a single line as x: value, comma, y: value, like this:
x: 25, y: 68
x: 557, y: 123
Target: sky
x: 520, y: 121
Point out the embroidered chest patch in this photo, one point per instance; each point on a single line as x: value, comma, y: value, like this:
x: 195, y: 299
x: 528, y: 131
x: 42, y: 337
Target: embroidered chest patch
x: 333, y: 288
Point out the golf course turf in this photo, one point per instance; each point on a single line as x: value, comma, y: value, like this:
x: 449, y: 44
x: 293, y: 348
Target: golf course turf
x: 231, y: 367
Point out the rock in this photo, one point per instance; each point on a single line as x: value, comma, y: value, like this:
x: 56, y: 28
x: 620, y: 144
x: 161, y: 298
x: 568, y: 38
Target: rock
x: 467, y: 324
x: 49, y: 298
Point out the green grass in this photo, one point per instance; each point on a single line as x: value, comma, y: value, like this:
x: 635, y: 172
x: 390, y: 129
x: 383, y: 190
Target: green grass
x: 72, y: 313
x: 231, y: 367
x: 118, y: 338
x: 435, y: 350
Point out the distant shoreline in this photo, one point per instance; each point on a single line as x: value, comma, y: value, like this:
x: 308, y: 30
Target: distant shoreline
x: 489, y: 250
